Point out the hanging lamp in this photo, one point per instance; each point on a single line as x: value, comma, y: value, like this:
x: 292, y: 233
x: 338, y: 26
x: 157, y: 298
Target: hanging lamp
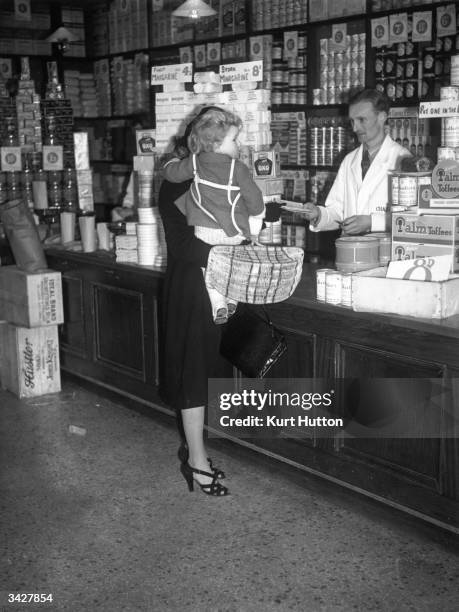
x: 194, y: 9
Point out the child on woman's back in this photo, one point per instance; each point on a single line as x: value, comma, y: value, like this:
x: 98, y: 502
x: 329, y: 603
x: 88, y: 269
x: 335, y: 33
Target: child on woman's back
x: 224, y: 204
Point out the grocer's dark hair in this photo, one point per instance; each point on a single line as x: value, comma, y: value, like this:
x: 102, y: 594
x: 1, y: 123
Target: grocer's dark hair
x: 379, y: 100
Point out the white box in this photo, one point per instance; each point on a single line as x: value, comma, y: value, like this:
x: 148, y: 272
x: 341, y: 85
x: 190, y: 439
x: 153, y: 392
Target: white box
x: 29, y: 360
x: 373, y: 292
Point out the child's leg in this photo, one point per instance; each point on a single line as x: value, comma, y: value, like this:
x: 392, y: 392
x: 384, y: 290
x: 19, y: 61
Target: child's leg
x: 218, y: 303
x: 231, y: 305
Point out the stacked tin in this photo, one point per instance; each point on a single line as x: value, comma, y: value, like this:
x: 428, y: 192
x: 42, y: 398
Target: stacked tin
x: 450, y: 125
x: 327, y: 141
x: 334, y: 287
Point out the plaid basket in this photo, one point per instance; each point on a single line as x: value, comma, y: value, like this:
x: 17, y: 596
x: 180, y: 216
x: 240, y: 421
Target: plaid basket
x: 254, y: 274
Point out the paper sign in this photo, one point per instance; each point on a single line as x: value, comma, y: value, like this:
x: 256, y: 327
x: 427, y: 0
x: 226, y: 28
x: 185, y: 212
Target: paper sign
x: 422, y: 26
x: 10, y: 159
x: 338, y: 37
x: 444, y: 108
x: 5, y: 68
x: 53, y: 157
x: 174, y: 73
x: 435, y: 268
x: 379, y: 32
x: 398, y: 28
x: 244, y: 71
x: 22, y: 10
x: 446, y: 20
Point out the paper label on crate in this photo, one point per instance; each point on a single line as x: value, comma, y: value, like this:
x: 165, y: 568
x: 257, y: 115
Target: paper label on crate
x: 338, y: 37
x: 398, y: 28
x: 214, y: 52
x: 175, y: 73
x: 446, y: 20
x: 422, y: 26
x: 379, y: 32
x: 435, y: 268
x: 445, y: 178
x: 244, y: 71
x: 11, y: 159
x: 53, y: 157
x: 200, y: 56
x: 443, y: 108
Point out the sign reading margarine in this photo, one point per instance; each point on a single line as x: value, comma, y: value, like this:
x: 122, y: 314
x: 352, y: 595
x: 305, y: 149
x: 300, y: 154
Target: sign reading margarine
x: 445, y: 178
x: 241, y: 72
x: 174, y: 73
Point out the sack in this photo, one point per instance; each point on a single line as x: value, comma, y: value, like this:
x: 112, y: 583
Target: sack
x: 254, y: 274
x: 22, y: 235
x: 251, y: 342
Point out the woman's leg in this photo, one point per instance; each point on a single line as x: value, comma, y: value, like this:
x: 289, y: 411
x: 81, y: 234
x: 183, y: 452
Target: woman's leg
x: 193, y: 426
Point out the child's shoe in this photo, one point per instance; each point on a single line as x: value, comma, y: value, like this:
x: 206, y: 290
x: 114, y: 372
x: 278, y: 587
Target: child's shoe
x: 221, y: 316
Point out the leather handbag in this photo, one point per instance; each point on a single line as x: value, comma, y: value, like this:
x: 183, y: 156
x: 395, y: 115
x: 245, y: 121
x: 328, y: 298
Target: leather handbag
x: 251, y: 342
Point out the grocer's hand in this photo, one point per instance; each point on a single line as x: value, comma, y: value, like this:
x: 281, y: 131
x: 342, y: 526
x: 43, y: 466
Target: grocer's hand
x: 311, y: 211
x: 357, y: 224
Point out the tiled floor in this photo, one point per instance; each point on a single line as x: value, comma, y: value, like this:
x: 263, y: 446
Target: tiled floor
x: 100, y: 517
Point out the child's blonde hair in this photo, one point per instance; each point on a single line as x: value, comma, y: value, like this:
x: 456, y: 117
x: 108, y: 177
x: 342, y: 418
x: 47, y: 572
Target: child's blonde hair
x: 210, y: 129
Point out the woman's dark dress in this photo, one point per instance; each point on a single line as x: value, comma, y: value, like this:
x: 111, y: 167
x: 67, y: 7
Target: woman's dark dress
x: 190, y: 339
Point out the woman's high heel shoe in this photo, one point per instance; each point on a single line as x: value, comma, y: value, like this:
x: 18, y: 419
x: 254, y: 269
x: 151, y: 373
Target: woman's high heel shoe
x: 183, y: 458
x: 213, y: 488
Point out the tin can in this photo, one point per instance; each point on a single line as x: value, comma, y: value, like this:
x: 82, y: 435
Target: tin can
x: 385, y: 245
x: 354, y: 253
x: 346, y: 289
x: 454, y: 70
x: 450, y: 132
x: 333, y: 287
x: 408, y: 189
x: 394, y: 188
x: 449, y: 93
x: 448, y: 153
x: 321, y: 276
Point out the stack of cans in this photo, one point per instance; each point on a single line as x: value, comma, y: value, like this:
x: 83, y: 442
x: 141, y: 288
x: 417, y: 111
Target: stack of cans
x: 151, y: 241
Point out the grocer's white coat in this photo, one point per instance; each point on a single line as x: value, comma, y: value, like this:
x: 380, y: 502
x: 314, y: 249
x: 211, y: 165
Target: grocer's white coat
x: 350, y: 195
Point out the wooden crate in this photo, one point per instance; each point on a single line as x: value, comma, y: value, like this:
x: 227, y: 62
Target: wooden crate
x: 373, y: 292
x: 29, y: 360
x: 30, y: 300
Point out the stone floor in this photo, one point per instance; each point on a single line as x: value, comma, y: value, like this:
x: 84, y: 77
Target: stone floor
x: 94, y: 511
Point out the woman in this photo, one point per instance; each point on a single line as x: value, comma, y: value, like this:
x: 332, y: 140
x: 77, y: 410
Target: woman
x: 191, y: 340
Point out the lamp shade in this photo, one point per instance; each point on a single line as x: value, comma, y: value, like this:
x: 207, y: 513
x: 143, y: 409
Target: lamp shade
x: 194, y: 9
x: 62, y: 35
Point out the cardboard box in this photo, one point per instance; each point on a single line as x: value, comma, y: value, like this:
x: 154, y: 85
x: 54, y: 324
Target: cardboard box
x: 426, y: 228
x: 372, y: 292
x: 30, y: 300
x: 29, y: 360
x: 412, y: 250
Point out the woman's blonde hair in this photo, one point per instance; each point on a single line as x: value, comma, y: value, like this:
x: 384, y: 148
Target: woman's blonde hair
x: 210, y: 128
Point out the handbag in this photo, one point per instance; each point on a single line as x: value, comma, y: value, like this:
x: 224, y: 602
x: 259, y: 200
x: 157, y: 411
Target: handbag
x: 251, y: 342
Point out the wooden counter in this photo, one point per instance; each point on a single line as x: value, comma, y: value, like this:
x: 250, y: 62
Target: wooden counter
x: 111, y: 336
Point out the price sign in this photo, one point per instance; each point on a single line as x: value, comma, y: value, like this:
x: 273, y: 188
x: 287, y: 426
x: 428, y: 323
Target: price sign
x: 244, y: 71
x: 174, y: 73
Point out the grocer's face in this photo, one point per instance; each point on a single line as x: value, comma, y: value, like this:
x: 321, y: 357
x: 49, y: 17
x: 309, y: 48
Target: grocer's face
x: 367, y: 123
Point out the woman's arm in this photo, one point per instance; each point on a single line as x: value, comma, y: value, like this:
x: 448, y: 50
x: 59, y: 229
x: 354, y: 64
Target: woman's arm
x: 181, y: 241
